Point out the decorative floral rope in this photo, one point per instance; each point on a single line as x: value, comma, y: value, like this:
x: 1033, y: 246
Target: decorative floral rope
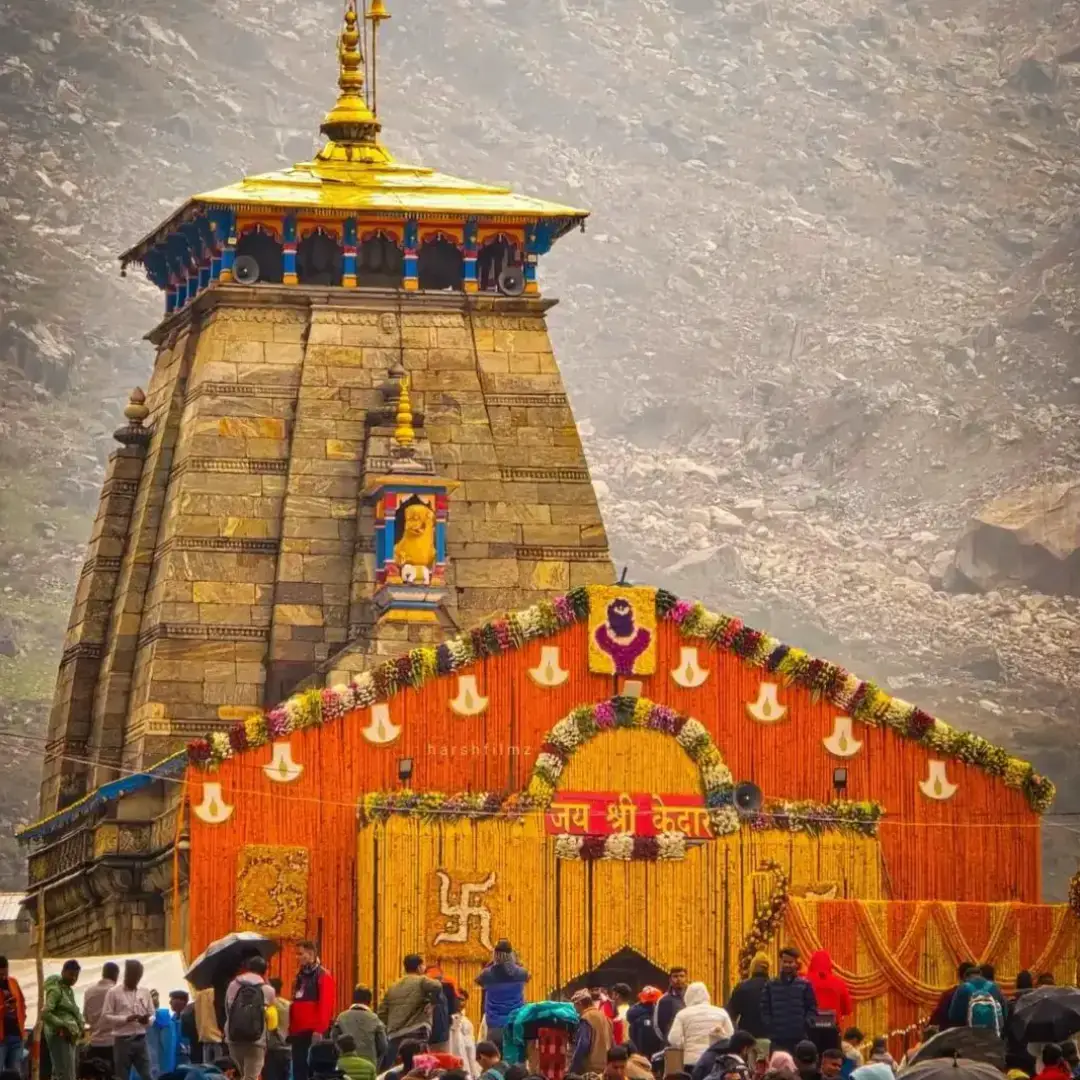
x: 586, y: 722
x: 862, y: 701
x: 768, y: 918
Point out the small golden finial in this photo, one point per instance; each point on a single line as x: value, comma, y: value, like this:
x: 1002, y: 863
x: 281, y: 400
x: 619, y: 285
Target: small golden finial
x: 135, y: 412
x: 404, y: 435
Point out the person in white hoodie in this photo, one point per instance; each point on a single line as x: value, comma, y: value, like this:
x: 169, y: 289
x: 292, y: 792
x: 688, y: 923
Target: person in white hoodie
x: 698, y: 1024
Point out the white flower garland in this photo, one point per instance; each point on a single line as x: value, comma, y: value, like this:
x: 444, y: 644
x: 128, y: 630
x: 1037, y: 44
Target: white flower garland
x: 692, y: 731
x: 567, y: 846
x: 724, y: 820
x: 620, y: 847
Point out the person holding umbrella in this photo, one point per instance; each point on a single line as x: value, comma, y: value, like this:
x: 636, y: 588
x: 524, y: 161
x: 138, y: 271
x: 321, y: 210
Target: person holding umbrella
x: 1047, y: 1014
x: 211, y: 974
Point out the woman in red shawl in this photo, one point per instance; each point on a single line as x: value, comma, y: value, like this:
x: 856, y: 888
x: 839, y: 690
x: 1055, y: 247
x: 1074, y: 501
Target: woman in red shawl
x: 830, y: 990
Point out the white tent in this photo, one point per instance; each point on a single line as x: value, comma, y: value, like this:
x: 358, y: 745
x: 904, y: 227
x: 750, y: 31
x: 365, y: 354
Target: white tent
x: 163, y: 972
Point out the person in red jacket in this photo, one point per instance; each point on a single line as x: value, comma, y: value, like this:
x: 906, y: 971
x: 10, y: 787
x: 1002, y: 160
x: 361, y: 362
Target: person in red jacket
x: 830, y: 990
x: 313, y: 1006
x: 1055, y: 1067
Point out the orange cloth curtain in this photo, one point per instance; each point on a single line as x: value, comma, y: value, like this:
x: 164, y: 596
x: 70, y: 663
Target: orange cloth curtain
x: 981, y: 845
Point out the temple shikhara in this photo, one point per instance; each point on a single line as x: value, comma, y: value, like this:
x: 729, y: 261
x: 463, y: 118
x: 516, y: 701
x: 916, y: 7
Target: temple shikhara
x: 348, y: 659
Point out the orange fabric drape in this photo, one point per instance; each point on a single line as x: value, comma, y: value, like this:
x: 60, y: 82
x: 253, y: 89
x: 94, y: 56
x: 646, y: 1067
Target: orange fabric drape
x: 980, y: 845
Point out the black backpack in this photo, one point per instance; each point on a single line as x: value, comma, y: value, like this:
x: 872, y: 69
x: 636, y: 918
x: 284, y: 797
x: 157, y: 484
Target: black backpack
x: 247, y: 1014
x: 727, y: 1065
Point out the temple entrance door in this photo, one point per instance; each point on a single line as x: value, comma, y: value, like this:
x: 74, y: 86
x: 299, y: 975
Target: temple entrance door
x: 626, y: 966
x: 673, y: 913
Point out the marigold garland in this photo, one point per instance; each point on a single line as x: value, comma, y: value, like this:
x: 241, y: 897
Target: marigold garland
x: 861, y: 700
x: 767, y: 919
x: 586, y: 721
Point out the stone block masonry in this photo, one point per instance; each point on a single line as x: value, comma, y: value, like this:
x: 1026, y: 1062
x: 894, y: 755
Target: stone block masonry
x: 232, y: 558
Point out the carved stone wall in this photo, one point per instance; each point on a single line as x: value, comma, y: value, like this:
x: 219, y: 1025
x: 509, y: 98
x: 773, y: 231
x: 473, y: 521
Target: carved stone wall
x: 234, y: 559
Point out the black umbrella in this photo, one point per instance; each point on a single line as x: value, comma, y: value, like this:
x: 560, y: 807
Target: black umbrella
x: 955, y: 1068
x: 1046, y: 1014
x: 223, y: 958
x: 973, y: 1044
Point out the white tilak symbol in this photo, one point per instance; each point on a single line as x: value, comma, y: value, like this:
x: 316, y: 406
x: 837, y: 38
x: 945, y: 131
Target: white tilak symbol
x: 464, y: 911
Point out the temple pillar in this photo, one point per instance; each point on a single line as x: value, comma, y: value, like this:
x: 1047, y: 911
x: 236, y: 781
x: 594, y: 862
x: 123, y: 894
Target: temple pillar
x: 412, y: 257
x: 469, y: 247
x: 288, y: 251
x: 348, y: 271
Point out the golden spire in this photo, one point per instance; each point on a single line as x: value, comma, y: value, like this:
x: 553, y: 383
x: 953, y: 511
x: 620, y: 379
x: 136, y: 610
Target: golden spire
x: 350, y: 125
x: 404, y: 435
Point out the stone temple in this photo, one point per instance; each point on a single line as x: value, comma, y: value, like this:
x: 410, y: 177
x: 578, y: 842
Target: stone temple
x: 355, y: 439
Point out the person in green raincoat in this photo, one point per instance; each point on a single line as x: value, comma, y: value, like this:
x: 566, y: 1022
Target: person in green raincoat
x: 61, y: 1021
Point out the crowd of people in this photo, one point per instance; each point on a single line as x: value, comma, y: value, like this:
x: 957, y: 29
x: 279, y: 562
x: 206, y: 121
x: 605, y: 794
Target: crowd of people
x: 791, y: 1025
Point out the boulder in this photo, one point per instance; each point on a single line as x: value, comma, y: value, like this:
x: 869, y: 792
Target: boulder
x: 982, y: 661
x: 1029, y: 538
x: 940, y: 566
x: 725, y: 521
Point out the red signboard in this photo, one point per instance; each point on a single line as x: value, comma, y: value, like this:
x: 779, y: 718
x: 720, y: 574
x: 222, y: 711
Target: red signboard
x: 602, y: 813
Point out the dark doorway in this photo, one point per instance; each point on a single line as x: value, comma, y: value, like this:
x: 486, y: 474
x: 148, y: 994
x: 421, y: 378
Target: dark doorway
x: 379, y: 263
x: 266, y: 251
x: 626, y: 966
x: 440, y: 265
x: 493, y: 259
x: 320, y: 260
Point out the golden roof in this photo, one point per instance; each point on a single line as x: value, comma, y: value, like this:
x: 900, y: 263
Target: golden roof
x: 355, y: 174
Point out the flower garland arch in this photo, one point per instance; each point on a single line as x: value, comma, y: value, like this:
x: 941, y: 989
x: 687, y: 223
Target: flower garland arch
x: 585, y: 722
x: 863, y: 701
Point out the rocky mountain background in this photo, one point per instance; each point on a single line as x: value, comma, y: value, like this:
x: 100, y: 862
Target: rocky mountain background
x: 825, y: 311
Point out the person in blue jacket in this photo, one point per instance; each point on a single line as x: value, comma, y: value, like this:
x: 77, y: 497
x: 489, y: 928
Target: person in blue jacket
x: 168, y: 1048
x: 979, y: 1002
x: 503, y: 985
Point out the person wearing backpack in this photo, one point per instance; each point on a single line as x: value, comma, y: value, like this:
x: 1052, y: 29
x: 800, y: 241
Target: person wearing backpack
x: 726, y: 1058
x: 979, y: 1003
x: 250, y: 1016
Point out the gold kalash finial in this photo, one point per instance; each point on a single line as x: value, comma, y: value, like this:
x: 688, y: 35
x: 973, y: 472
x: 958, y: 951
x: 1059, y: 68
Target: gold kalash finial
x: 404, y: 435
x: 351, y: 125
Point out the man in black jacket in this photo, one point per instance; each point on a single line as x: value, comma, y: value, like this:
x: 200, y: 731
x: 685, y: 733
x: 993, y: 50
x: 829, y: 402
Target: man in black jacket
x: 671, y: 1003
x: 744, y: 1006
x: 788, y: 1004
x: 640, y: 1020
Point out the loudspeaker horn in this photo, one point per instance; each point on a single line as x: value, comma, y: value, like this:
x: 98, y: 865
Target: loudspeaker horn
x: 245, y: 270
x: 512, y: 281
x: 748, y: 798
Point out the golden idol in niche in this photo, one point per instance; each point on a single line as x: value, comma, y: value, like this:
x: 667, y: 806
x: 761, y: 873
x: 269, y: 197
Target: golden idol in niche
x: 414, y: 553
